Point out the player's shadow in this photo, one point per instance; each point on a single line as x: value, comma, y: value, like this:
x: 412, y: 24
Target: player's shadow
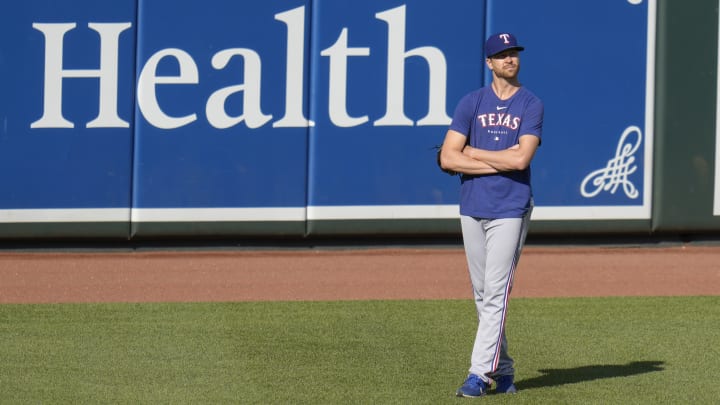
x: 562, y: 376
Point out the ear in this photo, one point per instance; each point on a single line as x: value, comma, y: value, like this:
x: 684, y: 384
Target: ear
x: 488, y: 62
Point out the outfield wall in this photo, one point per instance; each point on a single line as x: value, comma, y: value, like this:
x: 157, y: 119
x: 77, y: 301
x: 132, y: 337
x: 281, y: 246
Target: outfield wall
x: 134, y: 119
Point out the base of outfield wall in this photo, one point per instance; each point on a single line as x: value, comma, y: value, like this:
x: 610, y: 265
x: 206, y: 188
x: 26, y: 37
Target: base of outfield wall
x: 347, y: 243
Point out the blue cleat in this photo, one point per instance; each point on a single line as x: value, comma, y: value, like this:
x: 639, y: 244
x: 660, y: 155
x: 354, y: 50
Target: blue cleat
x: 473, y: 387
x: 505, y: 385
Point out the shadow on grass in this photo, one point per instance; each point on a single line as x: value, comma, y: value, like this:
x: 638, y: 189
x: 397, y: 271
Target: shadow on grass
x: 554, y: 377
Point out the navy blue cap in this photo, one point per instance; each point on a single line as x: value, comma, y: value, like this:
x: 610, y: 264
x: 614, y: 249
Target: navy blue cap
x: 501, y: 42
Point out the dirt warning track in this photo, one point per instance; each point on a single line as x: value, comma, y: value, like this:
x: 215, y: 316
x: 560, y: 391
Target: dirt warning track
x: 347, y: 274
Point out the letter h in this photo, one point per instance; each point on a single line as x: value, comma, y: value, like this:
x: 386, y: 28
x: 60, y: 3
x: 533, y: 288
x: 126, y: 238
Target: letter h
x: 395, y: 114
x: 107, y: 73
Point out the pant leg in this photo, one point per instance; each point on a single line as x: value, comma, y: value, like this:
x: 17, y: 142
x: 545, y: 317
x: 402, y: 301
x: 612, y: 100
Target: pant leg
x: 473, y: 233
x: 506, y: 363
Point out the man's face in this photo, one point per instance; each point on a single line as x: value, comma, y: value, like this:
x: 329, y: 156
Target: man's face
x: 505, y: 64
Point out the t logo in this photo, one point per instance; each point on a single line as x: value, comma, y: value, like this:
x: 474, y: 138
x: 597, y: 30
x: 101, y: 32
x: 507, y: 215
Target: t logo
x: 505, y: 38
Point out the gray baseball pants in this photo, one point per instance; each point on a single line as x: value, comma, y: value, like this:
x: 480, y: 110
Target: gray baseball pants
x: 492, y: 248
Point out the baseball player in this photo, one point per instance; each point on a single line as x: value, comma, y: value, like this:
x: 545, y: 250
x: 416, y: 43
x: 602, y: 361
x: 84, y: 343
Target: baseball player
x: 493, y: 136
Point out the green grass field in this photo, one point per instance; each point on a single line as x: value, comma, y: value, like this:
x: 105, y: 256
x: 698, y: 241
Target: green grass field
x: 567, y: 351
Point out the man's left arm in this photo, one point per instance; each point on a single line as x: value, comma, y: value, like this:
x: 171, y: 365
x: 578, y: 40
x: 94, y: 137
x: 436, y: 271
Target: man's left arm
x: 515, y: 158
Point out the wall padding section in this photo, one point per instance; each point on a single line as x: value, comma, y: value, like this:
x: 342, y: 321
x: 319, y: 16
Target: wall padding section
x: 66, y: 114
x: 684, y: 174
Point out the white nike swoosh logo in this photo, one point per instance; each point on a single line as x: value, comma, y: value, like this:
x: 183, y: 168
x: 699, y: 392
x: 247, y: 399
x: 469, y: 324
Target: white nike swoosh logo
x: 500, y: 108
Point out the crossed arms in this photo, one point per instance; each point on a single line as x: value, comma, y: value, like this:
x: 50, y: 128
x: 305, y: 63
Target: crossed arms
x: 459, y: 157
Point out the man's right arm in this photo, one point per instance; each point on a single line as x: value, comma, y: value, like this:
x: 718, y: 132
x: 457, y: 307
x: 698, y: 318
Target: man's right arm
x: 452, y: 157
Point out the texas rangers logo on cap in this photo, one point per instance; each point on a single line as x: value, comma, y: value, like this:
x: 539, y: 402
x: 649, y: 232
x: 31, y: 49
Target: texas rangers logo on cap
x: 501, y: 42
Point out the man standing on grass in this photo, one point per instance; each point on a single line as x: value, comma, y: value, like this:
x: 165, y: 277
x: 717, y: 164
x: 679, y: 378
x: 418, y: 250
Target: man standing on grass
x: 493, y: 136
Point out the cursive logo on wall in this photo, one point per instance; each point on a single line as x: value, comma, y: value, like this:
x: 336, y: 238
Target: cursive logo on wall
x: 618, y: 169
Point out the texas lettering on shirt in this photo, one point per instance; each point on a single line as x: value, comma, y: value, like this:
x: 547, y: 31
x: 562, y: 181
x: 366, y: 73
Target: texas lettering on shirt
x: 499, y: 119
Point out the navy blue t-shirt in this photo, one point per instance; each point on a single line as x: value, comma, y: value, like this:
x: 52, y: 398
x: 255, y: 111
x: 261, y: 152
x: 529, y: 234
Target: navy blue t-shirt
x: 496, y: 125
